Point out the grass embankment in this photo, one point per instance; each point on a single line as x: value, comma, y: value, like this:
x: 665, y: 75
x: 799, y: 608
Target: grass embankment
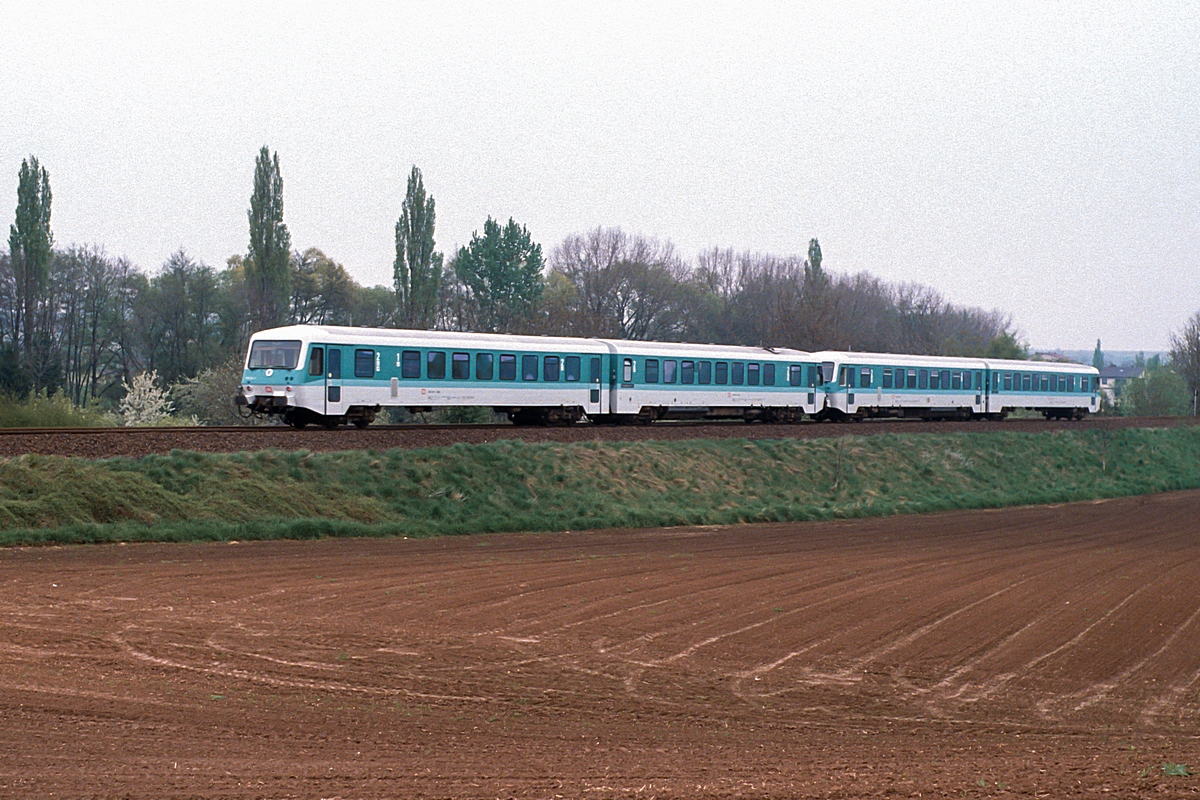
x: 511, y: 486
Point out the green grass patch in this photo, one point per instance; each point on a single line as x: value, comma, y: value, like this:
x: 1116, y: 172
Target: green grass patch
x: 514, y: 486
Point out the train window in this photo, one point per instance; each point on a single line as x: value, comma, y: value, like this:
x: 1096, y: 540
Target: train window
x: 705, y: 372
x: 795, y: 375
x: 651, y: 370
x: 550, y: 368
x: 483, y: 366
x: 594, y: 370
x: 460, y: 366
x: 945, y: 379
x: 956, y: 381
x: 687, y: 371
x: 334, y: 366
x: 753, y: 372
x: 437, y: 365
x: 410, y: 364
x: 865, y: 377
x: 266, y: 354
x: 529, y: 368
x: 627, y: 372
x: 670, y: 368
x: 739, y: 373
x: 722, y: 373
x: 912, y: 379
x: 978, y: 380
x: 571, y: 368
x: 1062, y: 383
x: 1070, y: 383
x: 887, y: 378
x: 812, y: 375
x: 508, y: 367
x: 1044, y: 382
x: 1008, y: 381
x: 923, y: 379
x: 768, y: 374
x: 316, y: 361
x: 364, y: 363
x: 935, y: 380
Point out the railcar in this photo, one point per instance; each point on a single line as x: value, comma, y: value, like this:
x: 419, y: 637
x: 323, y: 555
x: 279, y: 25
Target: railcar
x: 326, y: 375
x: 933, y: 387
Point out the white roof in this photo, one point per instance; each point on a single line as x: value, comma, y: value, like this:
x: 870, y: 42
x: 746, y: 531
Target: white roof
x: 950, y: 362
x: 333, y: 334
x: 395, y: 337
x: 630, y: 347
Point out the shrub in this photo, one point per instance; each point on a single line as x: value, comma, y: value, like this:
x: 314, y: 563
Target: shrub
x: 40, y: 410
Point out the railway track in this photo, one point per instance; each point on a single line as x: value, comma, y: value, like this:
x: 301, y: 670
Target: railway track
x: 137, y: 442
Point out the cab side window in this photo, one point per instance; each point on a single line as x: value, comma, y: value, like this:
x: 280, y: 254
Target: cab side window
x: 316, y: 361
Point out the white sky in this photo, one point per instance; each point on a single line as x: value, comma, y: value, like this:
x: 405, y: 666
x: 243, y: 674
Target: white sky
x: 1042, y: 159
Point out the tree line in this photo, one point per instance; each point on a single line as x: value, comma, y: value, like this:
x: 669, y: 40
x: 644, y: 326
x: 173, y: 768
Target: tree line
x: 78, y: 321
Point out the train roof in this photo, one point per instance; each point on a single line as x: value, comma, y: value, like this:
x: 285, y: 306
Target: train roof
x: 400, y: 337
x: 950, y: 362
x: 716, y: 351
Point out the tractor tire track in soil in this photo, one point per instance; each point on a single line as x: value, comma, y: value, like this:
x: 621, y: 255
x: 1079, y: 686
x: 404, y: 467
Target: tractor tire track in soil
x: 1045, y: 651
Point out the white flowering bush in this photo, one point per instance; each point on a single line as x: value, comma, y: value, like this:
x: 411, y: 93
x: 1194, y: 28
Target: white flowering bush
x: 144, y: 403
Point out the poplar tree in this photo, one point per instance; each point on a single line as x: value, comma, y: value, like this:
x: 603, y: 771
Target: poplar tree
x: 1098, y: 356
x: 31, y: 246
x: 418, y: 269
x: 267, y: 263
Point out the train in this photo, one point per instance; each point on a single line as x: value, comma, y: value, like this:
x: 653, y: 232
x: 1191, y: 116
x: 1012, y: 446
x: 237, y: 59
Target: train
x: 332, y: 376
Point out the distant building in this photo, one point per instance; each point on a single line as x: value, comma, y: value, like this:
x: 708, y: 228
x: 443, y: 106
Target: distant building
x: 1113, y: 378
x: 1057, y: 358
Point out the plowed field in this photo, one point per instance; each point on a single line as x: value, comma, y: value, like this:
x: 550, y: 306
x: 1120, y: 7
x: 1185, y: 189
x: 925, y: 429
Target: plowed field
x: 1049, y: 652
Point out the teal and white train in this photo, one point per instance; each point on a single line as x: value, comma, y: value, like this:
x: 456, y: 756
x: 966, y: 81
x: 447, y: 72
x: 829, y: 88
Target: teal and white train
x: 330, y: 376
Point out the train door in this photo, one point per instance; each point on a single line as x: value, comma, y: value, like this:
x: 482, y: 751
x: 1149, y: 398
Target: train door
x: 595, y: 386
x: 335, y: 404
x: 834, y: 386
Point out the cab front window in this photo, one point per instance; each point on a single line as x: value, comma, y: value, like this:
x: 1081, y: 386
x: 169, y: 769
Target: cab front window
x: 267, y: 354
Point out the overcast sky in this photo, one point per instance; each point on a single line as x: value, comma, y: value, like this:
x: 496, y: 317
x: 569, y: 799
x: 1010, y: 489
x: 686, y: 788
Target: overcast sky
x: 1041, y: 159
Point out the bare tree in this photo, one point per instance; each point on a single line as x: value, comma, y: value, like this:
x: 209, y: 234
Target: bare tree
x: 1185, y: 355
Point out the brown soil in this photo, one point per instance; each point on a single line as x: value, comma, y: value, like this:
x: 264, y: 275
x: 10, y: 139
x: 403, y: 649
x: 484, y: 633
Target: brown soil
x: 1036, y: 652
x: 137, y: 442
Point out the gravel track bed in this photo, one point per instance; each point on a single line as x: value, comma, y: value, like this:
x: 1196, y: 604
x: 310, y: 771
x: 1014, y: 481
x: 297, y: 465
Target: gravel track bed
x: 137, y: 442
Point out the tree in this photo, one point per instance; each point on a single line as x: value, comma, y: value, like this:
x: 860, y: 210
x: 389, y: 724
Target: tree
x: 1098, y: 357
x: 502, y: 272
x: 31, y: 246
x: 267, y: 270
x: 1185, y: 354
x: 1159, y: 392
x: 418, y: 269
x: 813, y: 274
x: 1006, y: 345
x: 323, y: 293
x: 626, y: 287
